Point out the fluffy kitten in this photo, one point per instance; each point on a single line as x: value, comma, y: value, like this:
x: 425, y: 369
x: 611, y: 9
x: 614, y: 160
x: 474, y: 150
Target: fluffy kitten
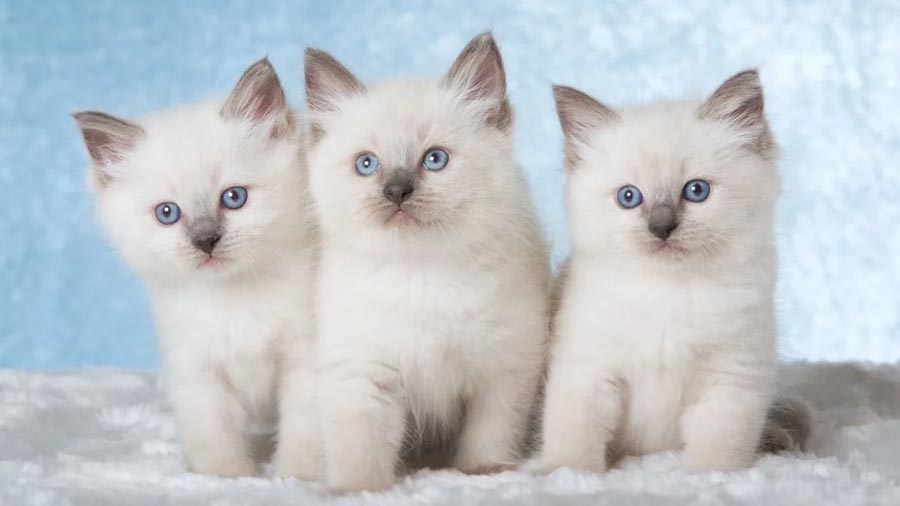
x: 208, y: 203
x: 665, y: 336
x: 434, y: 277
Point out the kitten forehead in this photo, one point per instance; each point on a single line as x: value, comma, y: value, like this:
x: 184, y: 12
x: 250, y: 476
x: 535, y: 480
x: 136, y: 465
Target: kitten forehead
x: 190, y: 153
x: 664, y: 139
x: 400, y: 118
x: 181, y: 143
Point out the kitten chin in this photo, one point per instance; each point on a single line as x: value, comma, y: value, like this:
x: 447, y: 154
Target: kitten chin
x: 665, y: 328
x: 430, y: 242
x: 209, y: 204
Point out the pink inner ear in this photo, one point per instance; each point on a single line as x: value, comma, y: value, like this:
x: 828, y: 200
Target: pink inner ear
x: 257, y: 95
x: 107, y: 138
x: 266, y: 99
x: 101, y: 146
x: 488, y: 79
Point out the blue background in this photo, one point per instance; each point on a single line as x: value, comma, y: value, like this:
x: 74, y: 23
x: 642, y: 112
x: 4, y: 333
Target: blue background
x: 830, y: 70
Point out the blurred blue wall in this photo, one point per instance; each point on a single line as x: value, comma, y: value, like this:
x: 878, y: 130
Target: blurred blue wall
x: 831, y: 71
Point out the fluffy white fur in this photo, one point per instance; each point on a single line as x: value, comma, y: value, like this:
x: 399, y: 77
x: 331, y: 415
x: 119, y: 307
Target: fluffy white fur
x: 236, y: 323
x: 665, y: 344
x: 433, y: 321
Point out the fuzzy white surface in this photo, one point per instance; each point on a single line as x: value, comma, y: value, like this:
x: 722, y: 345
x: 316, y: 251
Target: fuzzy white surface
x: 99, y: 437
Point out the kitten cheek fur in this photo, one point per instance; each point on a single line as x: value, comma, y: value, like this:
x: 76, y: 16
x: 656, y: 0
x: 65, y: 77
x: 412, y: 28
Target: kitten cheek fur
x: 686, y: 341
x: 447, y: 343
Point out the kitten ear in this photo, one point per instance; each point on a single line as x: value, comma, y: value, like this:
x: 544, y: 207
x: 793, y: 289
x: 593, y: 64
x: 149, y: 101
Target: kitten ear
x: 739, y: 101
x: 108, y: 139
x: 478, y: 72
x: 258, y: 96
x: 327, y: 81
x: 579, y: 115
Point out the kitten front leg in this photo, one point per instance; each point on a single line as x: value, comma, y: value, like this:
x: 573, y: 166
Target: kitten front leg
x: 363, y: 423
x: 497, y: 417
x: 299, y: 452
x: 211, y: 422
x: 722, y: 429
x: 582, y: 407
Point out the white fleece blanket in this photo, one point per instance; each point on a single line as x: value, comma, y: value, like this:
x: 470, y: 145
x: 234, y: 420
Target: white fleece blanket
x: 106, y: 437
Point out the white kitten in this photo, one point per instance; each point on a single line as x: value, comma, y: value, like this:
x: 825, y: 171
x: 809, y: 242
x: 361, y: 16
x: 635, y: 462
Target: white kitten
x: 209, y: 204
x: 434, y: 276
x: 665, y: 337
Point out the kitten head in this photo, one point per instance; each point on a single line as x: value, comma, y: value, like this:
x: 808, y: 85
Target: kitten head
x: 210, y: 190
x: 671, y: 181
x: 409, y: 159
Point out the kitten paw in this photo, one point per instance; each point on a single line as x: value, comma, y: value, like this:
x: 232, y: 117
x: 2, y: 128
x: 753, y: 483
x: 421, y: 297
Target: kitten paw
x: 703, y: 463
x: 301, y: 469
x: 352, y: 486
x: 539, y: 467
x: 543, y: 466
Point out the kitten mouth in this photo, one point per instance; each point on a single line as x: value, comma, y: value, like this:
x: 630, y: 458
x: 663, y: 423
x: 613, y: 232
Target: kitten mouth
x: 211, y: 262
x: 401, y: 216
x: 666, y: 247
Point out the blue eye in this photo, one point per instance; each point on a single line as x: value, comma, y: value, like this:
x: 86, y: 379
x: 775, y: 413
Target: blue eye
x: 629, y: 197
x: 696, y: 190
x: 366, y: 164
x: 167, y: 213
x: 435, y: 159
x: 234, y: 197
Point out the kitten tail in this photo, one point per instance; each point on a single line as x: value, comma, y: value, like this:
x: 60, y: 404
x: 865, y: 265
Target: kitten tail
x: 788, y: 426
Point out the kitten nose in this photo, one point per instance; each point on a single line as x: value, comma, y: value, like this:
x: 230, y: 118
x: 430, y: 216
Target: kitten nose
x: 206, y: 243
x: 663, y: 221
x: 397, y: 192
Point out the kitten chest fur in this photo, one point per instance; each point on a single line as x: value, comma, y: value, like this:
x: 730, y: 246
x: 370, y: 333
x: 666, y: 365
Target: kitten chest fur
x: 660, y: 331
x: 240, y: 332
x: 442, y: 322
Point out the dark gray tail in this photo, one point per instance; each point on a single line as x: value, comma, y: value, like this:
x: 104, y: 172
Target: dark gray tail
x: 788, y: 426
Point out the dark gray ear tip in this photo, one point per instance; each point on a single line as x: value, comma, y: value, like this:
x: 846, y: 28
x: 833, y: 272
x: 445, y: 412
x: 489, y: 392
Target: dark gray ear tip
x: 486, y: 38
x: 263, y: 63
x: 561, y: 89
x: 83, y: 115
x: 314, y: 54
x: 748, y: 76
x: 91, y: 118
x: 483, y: 42
x: 562, y: 93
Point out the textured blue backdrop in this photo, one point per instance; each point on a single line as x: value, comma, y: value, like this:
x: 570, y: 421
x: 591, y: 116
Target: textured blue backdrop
x: 831, y: 71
